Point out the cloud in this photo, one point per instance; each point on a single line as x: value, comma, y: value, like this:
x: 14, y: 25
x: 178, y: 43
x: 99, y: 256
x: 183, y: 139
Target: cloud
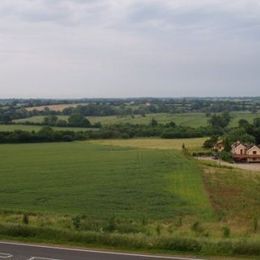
x: 129, y: 47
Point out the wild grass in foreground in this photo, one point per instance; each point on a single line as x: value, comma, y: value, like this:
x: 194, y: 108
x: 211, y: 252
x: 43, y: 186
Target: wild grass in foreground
x: 199, y: 246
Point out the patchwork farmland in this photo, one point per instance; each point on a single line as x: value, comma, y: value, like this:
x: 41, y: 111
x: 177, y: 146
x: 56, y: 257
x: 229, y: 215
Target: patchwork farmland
x: 184, y: 119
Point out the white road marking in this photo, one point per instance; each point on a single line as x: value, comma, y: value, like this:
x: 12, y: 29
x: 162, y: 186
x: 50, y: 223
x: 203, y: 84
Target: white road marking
x: 42, y: 258
x: 100, y: 252
x: 5, y: 256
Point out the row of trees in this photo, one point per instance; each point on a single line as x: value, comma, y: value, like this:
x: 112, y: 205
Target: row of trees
x: 75, y: 120
x: 218, y: 126
x: 46, y: 134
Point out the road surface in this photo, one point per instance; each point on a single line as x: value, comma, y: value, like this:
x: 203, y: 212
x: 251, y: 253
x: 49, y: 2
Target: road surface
x: 19, y: 251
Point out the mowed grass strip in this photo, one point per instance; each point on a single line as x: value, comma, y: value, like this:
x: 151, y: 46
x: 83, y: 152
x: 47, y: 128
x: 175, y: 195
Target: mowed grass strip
x: 100, y: 181
x: 192, y: 144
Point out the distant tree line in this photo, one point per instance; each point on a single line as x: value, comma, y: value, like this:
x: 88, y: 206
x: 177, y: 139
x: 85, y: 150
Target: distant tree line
x: 74, y: 120
x: 125, y: 131
x: 17, y: 108
x: 217, y: 128
x: 46, y: 134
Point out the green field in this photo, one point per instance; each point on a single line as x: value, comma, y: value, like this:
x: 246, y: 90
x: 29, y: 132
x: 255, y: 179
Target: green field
x: 185, y: 119
x: 100, y: 181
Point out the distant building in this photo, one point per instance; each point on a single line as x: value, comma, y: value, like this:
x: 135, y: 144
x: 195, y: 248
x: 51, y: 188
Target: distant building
x: 245, y: 152
x: 219, y: 146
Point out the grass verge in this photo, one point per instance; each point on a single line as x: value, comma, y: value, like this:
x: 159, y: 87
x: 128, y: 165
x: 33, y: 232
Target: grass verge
x: 228, y: 247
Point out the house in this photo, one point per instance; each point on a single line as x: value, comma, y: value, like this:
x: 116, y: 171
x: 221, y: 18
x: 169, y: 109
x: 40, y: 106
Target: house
x: 219, y: 146
x: 245, y: 152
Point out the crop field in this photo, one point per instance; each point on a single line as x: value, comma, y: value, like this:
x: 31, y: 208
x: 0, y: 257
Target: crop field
x: 185, y: 119
x: 100, y: 181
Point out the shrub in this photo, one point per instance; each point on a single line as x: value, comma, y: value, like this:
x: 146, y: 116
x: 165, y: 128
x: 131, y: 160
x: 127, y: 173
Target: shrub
x: 226, y: 231
x: 179, y: 222
x: 226, y: 156
x: 255, y: 224
x: 158, y: 229
x: 196, y: 227
x: 179, y: 244
x: 76, y: 222
x: 25, y: 219
x: 111, y: 226
x: 126, y: 228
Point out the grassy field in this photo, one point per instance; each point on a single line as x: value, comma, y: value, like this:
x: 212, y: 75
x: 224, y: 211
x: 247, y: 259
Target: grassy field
x: 186, y: 119
x: 85, y: 178
x: 36, y: 128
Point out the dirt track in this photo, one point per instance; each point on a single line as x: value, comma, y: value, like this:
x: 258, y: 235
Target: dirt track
x: 244, y: 166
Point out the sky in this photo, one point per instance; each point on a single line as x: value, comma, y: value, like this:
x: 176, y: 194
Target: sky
x: 129, y: 48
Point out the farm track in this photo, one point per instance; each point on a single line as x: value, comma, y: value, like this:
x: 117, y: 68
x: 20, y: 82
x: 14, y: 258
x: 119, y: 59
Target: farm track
x: 254, y: 167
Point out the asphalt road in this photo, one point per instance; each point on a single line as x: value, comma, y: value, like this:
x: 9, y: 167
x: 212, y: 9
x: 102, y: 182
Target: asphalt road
x: 19, y: 251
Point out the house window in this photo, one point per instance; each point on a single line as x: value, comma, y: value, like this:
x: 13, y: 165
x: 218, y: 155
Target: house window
x: 254, y: 152
x: 241, y: 151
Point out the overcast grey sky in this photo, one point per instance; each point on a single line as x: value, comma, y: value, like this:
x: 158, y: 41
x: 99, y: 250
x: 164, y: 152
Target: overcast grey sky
x: 122, y: 48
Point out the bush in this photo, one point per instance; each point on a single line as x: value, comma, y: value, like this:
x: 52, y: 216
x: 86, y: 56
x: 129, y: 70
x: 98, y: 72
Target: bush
x: 76, y: 222
x: 196, y: 227
x: 111, y: 226
x: 209, y: 143
x: 179, y: 244
x: 255, y: 224
x: 226, y: 156
x: 226, y: 232
x: 158, y: 229
x: 25, y: 219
